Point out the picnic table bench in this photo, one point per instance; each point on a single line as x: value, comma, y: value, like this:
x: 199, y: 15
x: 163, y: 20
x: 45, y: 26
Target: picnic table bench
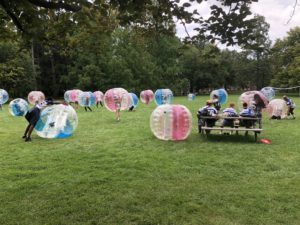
x: 205, y: 125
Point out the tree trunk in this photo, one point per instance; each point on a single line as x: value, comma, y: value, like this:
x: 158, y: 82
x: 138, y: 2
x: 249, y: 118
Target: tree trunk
x: 34, y: 75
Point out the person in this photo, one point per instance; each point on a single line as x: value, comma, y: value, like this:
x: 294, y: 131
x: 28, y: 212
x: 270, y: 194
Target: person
x: 98, y: 101
x: 117, y: 101
x: 87, y: 107
x: 246, y: 112
x: 131, y: 108
x: 291, y: 106
x: 207, y: 110
x: 258, y: 106
x: 229, y: 112
x: 216, y: 102
x: 32, y: 116
x: 0, y: 107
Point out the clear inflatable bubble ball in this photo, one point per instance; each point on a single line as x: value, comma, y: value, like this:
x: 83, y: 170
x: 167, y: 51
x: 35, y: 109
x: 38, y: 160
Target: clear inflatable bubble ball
x: 18, y: 107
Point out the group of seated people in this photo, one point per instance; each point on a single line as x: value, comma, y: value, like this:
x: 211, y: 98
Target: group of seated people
x: 229, y: 114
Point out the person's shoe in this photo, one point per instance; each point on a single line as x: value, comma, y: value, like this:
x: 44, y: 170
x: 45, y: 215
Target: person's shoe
x: 24, y: 137
x: 27, y: 139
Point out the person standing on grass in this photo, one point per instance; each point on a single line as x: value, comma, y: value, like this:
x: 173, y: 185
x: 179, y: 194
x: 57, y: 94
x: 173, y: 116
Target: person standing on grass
x: 33, y: 116
x: 87, y: 101
x: 291, y: 106
x: 117, y: 101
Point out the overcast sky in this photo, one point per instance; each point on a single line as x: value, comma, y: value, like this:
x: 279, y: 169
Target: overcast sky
x: 276, y: 12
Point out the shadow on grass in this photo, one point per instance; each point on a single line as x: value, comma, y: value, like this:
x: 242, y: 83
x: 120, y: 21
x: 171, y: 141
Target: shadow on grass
x: 234, y: 138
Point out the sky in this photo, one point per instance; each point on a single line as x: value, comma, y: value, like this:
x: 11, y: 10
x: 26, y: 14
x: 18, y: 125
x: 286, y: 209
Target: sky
x: 276, y: 12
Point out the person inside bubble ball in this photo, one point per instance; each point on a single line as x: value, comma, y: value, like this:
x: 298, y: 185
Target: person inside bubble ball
x: 98, y: 101
x: 216, y: 102
x: 87, y: 100
x: 32, y: 116
x: 117, y: 102
x: 207, y: 110
x: 246, y: 112
x: 291, y: 106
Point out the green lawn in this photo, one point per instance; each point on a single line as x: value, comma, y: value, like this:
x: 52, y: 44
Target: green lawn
x: 119, y: 173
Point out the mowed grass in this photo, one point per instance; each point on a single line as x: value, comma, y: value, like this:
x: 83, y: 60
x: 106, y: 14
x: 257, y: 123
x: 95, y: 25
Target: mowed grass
x: 112, y: 172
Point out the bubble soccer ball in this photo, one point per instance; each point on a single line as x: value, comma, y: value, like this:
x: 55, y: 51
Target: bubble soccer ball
x: 99, y: 96
x: 147, y: 96
x: 57, y: 121
x: 134, y: 100
x: 252, y: 97
x: 35, y: 97
x: 18, y: 107
x: 86, y: 99
x: 117, y: 99
x: 191, y: 96
x: 3, y: 96
x: 163, y: 96
x: 171, y: 122
x: 277, y: 108
x: 74, y: 94
x: 67, y: 96
x: 221, y: 94
x: 269, y: 92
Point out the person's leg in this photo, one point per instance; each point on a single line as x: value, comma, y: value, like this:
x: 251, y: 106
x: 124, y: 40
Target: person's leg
x: 97, y: 104
x: 118, y: 115
x: 101, y: 103
x: 26, y: 131
x: 89, y: 108
x: 85, y: 108
x: 28, y: 138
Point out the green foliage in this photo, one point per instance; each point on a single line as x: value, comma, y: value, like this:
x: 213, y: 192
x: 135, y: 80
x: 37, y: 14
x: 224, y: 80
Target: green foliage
x: 285, y: 60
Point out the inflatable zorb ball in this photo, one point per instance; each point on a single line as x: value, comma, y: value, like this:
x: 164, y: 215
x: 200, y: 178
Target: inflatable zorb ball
x: 171, y: 122
x: 147, y: 96
x: 277, y: 108
x: 253, y: 98
x: 35, y: 97
x: 163, y: 96
x: 3, y: 96
x: 67, y: 96
x: 74, y: 94
x: 117, y: 99
x: 86, y: 99
x: 134, y: 100
x: 18, y: 107
x: 57, y: 121
x: 221, y: 95
x: 269, y: 92
x: 99, y: 96
x: 191, y: 96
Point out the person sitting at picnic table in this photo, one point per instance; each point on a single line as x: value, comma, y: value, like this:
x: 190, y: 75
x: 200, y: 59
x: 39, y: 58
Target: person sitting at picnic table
x: 246, y: 112
x: 229, y: 112
x: 207, y: 110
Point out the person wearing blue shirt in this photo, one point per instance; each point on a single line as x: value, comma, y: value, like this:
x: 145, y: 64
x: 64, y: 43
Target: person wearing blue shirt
x: 246, y: 112
x: 291, y: 106
x: 207, y: 110
x: 229, y: 112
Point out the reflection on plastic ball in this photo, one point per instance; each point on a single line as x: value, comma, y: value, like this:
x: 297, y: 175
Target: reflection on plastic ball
x: 191, y: 96
x: 3, y: 96
x: 171, y: 122
x: 74, y: 94
x: 269, y: 92
x: 252, y: 98
x: 117, y: 99
x: 18, y: 107
x: 221, y: 94
x: 134, y: 100
x: 86, y: 98
x: 147, y: 96
x: 163, y: 96
x: 99, y: 96
x: 35, y: 97
x: 57, y: 121
x: 277, y: 108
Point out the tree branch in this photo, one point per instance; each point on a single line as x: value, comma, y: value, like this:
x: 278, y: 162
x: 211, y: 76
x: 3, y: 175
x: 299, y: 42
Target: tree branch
x: 55, y: 5
x: 293, y: 13
x: 12, y: 16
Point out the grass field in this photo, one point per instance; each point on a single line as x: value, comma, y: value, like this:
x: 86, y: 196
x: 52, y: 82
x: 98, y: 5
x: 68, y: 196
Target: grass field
x: 112, y: 172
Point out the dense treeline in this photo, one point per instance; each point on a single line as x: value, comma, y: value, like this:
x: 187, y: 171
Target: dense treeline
x: 90, y: 51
